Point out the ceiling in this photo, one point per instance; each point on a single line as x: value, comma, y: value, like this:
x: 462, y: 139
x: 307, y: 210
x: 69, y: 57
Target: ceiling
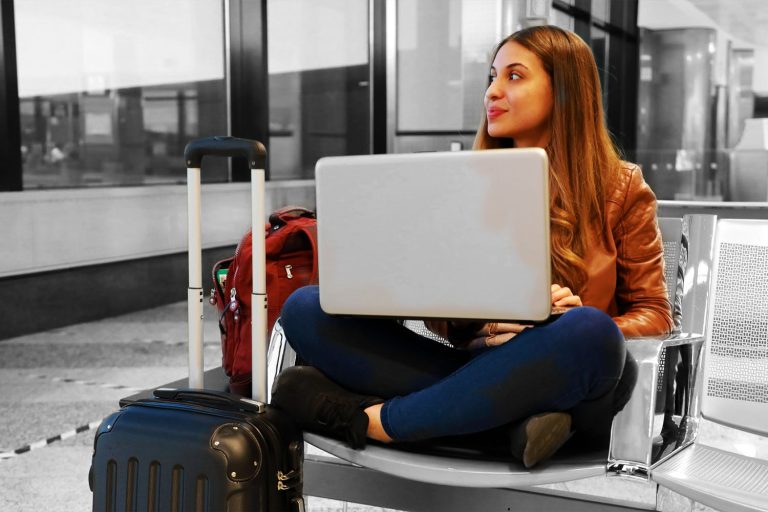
x: 744, y: 19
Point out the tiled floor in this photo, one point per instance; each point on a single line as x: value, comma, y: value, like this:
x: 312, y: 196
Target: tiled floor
x: 61, y: 381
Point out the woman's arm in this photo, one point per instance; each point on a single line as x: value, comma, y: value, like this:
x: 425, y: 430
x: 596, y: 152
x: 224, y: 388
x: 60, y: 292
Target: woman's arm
x: 641, y: 291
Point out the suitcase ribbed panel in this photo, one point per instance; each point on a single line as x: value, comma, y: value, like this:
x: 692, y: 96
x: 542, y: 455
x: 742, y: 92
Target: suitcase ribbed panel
x: 177, y: 488
x: 153, y: 486
x: 131, y: 485
x: 170, y: 456
x: 201, y: 494
x: 713, y: 476
x: 111, y: 494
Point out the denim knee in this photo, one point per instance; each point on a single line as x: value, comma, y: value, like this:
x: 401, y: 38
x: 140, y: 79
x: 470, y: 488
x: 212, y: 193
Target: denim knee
x: 298, y: 304
x: 597, y: 335
x: 593, y: 326
x: 298, y: 309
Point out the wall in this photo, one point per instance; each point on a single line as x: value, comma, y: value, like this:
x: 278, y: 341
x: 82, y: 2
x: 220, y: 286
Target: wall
x: 79, y: 255
x: 59, y: 229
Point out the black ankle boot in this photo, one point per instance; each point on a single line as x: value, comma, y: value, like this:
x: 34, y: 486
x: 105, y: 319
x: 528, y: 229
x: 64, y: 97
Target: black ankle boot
x: 318, y: 404
x: 540, y: 436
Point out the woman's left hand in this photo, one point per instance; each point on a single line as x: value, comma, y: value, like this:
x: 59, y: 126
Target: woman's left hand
x: 564, y: 297
x: 497, y: 333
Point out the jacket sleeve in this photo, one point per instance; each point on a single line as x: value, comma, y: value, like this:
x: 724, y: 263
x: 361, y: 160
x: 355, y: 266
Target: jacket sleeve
x: 641, y: 291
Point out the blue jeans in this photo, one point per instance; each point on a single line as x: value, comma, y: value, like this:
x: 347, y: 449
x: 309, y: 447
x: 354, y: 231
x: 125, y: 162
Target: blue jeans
x: 433, y: 390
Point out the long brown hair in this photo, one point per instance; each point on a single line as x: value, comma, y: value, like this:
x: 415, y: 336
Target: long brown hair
x: 583, y: 159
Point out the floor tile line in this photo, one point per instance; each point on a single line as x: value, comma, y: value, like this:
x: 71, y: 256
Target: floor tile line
x: 67, y: 380
x: 48, y: 441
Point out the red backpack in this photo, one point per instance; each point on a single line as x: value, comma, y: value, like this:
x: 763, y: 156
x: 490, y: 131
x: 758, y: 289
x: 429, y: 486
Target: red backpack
x: 291, y: 257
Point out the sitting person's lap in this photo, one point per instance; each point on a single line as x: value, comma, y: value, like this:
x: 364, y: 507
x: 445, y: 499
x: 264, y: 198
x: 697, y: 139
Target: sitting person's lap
x: 438, y: 390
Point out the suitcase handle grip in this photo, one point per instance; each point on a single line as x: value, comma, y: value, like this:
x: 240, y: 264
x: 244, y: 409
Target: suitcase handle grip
x: 207, y: 397
x: 252, y: 150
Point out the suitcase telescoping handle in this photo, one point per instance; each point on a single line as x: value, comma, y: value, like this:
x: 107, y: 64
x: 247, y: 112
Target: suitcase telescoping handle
x: 252, y: 150
x: 207, y: 397
x: 256, y: 154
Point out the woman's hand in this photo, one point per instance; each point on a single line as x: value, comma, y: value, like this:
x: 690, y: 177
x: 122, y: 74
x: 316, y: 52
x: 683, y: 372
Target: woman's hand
x: 564, y: 297
x: 497, y: 333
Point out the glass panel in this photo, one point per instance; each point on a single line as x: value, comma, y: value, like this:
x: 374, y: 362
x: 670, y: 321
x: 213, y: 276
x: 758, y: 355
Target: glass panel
x: 737, y: 174
x: 443, y: 51
x: 711, y: 175
x: 599, y: 44
x: 561, y: 19
x: 601, y: 10
x: 318, y: 83
x: 676, y: 115
x: 115, y: 89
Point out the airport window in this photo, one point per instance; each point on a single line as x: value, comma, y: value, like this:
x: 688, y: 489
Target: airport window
x: 599, y: 43
x: 442, y: 59
x: 561, y: 19
x: 443, y: 51
x: 319, y: 83
x: 601, y: 10
x: 114, y: 90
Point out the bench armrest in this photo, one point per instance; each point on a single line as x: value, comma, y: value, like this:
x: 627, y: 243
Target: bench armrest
x: 632, y: 434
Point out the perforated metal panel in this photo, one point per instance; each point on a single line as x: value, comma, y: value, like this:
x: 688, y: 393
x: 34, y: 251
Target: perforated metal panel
x: 662, y: 361
x: 419, y: 328
x: 671, y: 260
x: 672, y: 270
x: 736, y: 364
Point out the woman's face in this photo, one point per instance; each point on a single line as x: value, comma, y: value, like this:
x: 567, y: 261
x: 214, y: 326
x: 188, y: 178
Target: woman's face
x: 518, y: 103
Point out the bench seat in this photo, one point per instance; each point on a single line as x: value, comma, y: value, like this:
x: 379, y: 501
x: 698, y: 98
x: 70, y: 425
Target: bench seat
x: 724, y: 480
x: 462, y: 472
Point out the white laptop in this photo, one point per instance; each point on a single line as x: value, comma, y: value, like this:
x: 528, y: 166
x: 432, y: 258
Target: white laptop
x: 435, y: 235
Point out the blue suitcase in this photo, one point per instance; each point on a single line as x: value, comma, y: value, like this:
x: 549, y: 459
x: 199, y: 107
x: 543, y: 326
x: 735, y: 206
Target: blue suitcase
x: 197, y: 451
x: 204, y: 450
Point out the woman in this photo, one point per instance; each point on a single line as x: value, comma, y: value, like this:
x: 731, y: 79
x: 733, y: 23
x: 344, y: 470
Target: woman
x: 538, y: 384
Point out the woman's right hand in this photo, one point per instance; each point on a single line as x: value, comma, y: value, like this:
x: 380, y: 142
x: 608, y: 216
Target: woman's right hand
x: 564, y: 297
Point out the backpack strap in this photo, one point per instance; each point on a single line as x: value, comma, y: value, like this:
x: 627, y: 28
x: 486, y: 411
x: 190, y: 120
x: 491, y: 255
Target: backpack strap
x: 310, y: 230
x: 287, y: 213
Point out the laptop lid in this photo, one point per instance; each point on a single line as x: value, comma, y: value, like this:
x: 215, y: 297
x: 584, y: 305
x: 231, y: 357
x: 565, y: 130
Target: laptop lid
x: 435, y: 235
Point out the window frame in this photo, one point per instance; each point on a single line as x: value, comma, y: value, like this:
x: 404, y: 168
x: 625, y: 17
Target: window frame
x: 10, y: 121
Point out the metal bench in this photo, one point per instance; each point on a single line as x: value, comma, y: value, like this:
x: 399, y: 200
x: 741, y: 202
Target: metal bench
x: 637, y: 443
x: 655, y: 423
x: 734, y: 377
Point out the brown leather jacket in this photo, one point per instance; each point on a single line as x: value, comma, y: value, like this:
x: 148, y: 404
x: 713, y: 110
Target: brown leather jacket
x: 625, y: 274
